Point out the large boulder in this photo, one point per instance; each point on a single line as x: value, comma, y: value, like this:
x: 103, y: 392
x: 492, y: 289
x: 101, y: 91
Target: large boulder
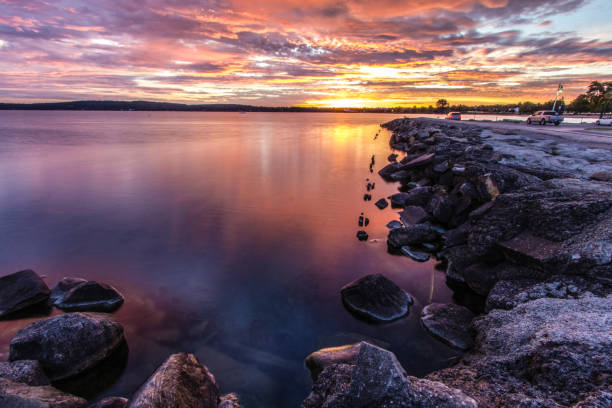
x: 411, y: 235
x: 69, y: 344
x: 24, y: 371
x: 20, y: 290
x: 180, y: 382
x: 19, y: 395
x: 90, y: 296
x: 550, y: 351
x: 363, y: 375
x: 376, y: 298
x: 449, y: 323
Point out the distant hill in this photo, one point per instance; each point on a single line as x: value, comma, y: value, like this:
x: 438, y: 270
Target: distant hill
x: 165, y: 106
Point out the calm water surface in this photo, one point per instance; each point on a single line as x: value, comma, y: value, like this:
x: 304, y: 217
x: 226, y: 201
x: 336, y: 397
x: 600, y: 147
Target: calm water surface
x: 229, y: 234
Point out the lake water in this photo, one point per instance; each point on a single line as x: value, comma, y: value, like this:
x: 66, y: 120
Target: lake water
x: 229, y: 234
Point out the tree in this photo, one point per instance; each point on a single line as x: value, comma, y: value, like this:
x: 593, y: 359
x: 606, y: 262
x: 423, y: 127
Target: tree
x: 441, y: 105
x: 580, y: 104
x: 598, y: 94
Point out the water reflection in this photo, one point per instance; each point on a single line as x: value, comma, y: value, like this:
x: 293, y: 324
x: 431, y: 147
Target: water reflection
x: 230, y: 236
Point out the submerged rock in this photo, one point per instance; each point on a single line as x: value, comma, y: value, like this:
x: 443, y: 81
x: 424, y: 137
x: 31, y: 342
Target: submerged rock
x: 362, y: 235
x: 24, y: 371
x: 181, y: 382
x: 63, y: 286
x: 363, y: 375
x: 68, y: 344
x: 416, y: 255
x: 90, y: 296
x: 381, y: 204
x: 449, y: 323
x: 411, y: 235
x: 20, y: 290
x: 394, y: 224
x: 376, y: 298
x: 19, y: 395
x: 110, y: 402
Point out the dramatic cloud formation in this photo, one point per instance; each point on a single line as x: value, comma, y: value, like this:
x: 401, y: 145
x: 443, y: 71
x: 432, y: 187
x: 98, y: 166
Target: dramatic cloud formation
x: 290, y: 52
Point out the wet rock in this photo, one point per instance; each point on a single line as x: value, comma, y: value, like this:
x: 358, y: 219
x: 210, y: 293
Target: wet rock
x: 411, y: 235
x: 376, y: 298
x: 601, y: 176
x: 90, y: 296
x: 415, y: 254
x: 398, y: 199
x: 413, y: 214
x: 388, y: 170
x: 394, y: 224
x: 449, y: 323
x: 420, y: 161
x: 110, y: 402
x: 229, y: 401
x: 63, y: 286
x: 382, y: 204
x: 20, y: 290
x: 68, y: 344
x: 367, y: 197
x: 419, y: 196
x: 392, y: 157
x: 364, y: 375
x: 20, y: 395
x: 362, y: 235
x: 442, y: 207
x: 181, y: 381
x: 441, y: 167
x: 24, y: 371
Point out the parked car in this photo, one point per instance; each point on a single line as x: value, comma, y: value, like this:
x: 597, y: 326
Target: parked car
x: 604, y: 122
x: 454, y: 116
x: 544, y: 117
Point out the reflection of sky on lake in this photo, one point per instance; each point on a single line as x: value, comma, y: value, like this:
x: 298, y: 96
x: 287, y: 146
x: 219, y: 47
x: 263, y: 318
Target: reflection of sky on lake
x: 230, y: 236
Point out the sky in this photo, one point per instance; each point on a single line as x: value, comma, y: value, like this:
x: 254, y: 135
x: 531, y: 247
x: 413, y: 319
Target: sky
x: 302, y: 52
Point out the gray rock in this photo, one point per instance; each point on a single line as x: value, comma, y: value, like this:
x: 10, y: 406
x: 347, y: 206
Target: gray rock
x: 449, y: 323
x: 68, y: 344
x: 394, y: 224
x: 19, y: 395
x: 392, y: 157
x: 63, y: 286
x: 382, y: 204
x: 418, y: 196
x: 415, y: 254
x: 376, y: 298
x: 411, y: 235
x: 90, y: 296
x: 420, y: 161
x: 24, y: 371
x: 363, y: 375
x: 398, y: 199
x: 20, y: 290
x: 442, y: 207
x: 110, y: 402
x: 413, y: 214
x: 180, y: 382
x: 229, y: 401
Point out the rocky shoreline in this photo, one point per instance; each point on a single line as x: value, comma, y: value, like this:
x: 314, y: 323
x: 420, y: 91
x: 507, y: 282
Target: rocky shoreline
x: 523, y: 229
x: 524, y: 226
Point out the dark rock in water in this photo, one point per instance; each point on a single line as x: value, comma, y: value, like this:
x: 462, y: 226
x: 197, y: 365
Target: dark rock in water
x: 19, y: 395
x: 376, y: 298
x: 20, y: 290
x: 68, y: 344
x: 416, y: 255
x: 398, y: 199
x: 457, y: 236
x: 362, y: 235
x: 229, y: 401
x: 413, y: 214
x: 382, y: 203
x: 392, y: 157
x: 394, y: 224
x: 389, y: 169
x: 110, y: 402
x: 181, y: 381
x: 63, y: 286
x: 420, y: 161
x: 411, y: 235
x: 442, y: 207
x: 449, y: 323
x: 419, y: 196
x: 24, y: 371
x: 90, y: 296
x: 363, y: 375
x: 367, y: 197
x: 360, y: 221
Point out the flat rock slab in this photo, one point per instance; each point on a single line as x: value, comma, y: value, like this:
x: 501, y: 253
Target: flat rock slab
x: 420, y: 161
x: 449, y: 323
x: 180, y: 382
x: 69, y: 344
x: 415, y: 254
x: 20, y: 290
x: 364, y: 375
x: 413, y: 214
x: 24, y: 371
x: 90, y: 296
x: 110, y: 402
x: 376, y: 298
x: 411, y: 235
x: 19, y: 395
